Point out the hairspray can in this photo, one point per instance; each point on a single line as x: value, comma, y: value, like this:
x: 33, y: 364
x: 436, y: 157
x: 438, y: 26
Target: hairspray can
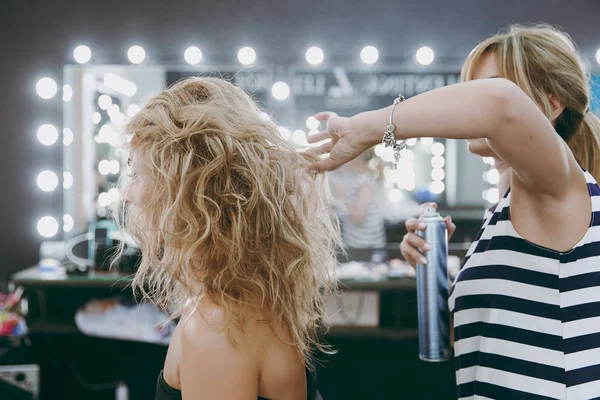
x: 432, y: 291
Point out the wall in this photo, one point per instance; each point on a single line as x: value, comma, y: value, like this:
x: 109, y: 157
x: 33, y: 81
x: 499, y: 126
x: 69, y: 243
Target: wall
x: 39, y: 36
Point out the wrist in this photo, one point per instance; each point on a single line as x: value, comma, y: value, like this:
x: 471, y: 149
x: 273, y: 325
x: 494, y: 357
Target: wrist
x: 371, y: 125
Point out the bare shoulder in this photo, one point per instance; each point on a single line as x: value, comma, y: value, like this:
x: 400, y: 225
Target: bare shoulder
x: 259, y: 361
x: 203, y: 330
x: 211, y: 366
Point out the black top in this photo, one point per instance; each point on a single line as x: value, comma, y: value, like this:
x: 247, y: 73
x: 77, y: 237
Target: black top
x: 166, y: 392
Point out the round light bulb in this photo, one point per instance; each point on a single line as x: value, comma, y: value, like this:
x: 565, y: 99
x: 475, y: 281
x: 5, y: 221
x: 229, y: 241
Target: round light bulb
x: 46, y: 88
x: 113, y: 109
x: 438, y: 174
x: 67, y: 93
x: 493, y: 177
x: 437, y: 149
x: 104, y: 101
x: 68, y: 223
x: 280, y: 90
x: 437, y: 187
x: 105, y: 133
x: 47, y: 134
x: 82, y: 54
x: 369, y: 55
x: 117, y: 119
x: 104, y: 167
x: 113, y: 195
x: 315, y: 55
x: 96, y: 118
x: 67, y: 180
x: 104, y: 199
x: 47, y: 226
x: 136, y: 54
x: 484, y: 194
x: 425, y: 56
x: 67, y: 136
x: 193, y: 55
x: 114, y: 166
x: 407, y: 156
x: 247, y: 56
x: 492, y: 195
x: 47, y: 181
x: 438, y: 162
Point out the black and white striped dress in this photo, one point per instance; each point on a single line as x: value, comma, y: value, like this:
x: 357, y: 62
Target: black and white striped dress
x: 527, y: 318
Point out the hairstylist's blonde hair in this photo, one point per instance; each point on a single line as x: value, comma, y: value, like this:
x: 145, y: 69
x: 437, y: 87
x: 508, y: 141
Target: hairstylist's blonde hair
x: 233, y: 208
x: 542, y: 60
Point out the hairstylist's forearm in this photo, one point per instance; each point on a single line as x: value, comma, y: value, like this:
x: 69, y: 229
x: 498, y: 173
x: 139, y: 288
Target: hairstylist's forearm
x: 469, y: 110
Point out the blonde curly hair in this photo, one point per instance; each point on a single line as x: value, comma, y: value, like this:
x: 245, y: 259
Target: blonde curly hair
x: 232, y: 208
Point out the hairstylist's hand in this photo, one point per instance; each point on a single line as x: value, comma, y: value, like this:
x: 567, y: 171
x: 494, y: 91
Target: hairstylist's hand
x: 347, y: 142
x: 413, y: 247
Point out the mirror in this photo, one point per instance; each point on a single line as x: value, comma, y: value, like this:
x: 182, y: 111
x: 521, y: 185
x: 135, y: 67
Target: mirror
x: 105, y: 96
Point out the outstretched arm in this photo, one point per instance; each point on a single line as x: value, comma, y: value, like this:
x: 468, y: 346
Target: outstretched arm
x: 494, y: 109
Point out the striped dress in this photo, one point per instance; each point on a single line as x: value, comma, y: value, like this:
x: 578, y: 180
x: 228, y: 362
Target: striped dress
x: 527, y: 318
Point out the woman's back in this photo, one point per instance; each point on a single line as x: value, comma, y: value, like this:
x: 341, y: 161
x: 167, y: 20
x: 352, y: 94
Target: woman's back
x: 260, y: 354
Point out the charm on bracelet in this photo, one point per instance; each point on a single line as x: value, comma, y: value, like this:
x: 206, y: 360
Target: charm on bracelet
x: 389, y: 139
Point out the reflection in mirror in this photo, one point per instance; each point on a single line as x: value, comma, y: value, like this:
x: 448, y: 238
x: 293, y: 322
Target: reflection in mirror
x: 104, y: 98
x: 374, y: 196
x: 357, y: 187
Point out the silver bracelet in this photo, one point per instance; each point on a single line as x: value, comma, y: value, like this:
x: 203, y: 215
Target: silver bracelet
x: 389, y: 139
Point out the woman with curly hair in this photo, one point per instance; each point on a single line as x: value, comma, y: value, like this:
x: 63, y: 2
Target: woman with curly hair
x: 237, y: 241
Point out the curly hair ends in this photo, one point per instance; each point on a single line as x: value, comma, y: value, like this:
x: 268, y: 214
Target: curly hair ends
x: 232, y: 209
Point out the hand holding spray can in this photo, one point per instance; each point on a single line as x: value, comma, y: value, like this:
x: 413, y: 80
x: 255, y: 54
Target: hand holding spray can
x: 432, y: 290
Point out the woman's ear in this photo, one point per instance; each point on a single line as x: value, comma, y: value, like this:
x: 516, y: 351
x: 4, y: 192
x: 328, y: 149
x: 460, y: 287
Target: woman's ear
x: 557, y: 107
